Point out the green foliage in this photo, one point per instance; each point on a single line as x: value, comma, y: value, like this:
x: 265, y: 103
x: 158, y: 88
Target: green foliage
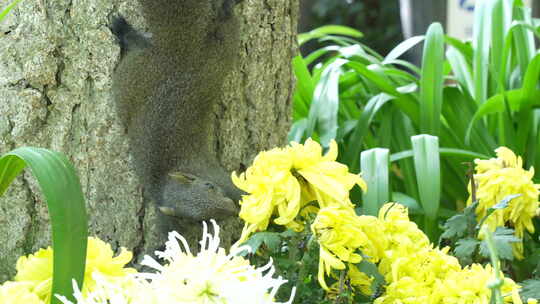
x: 8, y: 8
x: 62, y: 191
x: 428, y: 175
x: 496, y: 284
x: 465, y: 249
x: 379, y: 19
x: 271, y: 240
x: 295, y: 256
x: 502, y: 241
x: 375, y: 173
x: 474, y: 97
x: 461, y: 225
x: 462, y: 230
x: 530, y: 289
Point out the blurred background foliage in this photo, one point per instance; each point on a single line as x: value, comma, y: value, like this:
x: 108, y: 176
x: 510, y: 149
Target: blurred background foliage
x: 378, y: 20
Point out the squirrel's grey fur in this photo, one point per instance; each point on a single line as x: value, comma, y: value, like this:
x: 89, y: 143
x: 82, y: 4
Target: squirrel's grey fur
x: 165, y: 88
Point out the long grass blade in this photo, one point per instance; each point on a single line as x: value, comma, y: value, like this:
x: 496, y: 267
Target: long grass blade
x: 428, y: 174
x: 375, y: 173
x: 530, y: 83
x: 481, y: 45
x: 328, y: 30
x: 501, y: 17
x: 431, y: 82
x: 361, y: 129
x: 304, y: 88
x: 524, y: 44
x: 323, y: 112
x: 443, y: 152
x: 461, y: 69
x: 402, y: 48
x: 8, y: 9
x: 402, y: 130
x: 498, y: 103
x: 63, y: 195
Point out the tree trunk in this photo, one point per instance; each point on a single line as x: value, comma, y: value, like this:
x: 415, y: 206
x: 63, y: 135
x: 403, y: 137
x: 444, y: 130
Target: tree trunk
x: 56, y: 63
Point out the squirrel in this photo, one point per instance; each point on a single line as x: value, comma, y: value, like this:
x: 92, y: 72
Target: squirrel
x: 165, y: 87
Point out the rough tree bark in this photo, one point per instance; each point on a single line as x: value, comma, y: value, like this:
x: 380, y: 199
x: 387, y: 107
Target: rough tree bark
x: 56, y: 62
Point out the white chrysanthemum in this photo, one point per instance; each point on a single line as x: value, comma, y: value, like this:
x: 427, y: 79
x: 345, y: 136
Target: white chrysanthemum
x: 211, y: 276
x: 130, y: 291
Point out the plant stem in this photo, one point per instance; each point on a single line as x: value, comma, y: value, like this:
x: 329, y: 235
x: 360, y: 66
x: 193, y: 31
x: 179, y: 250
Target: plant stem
x: 495, y: 286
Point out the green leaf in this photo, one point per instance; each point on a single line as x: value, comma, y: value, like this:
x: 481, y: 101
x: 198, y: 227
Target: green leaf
x: 458, y: 110
x: 407, y: 65
x: 402, y: 130
x: 465, y: 248
x: 402, y: 48
x: 500, y: 205
x: 442, y: 151
x: 497, y: 104
x: 375, y: 173
x: 481, y: 41
x: 8, y: 8
x: 461, y: 69
x: 62, y: 191
x: 362, y: 128
x: 523, y: 38
x: 431, y: 81
x: 455, y: 227
x: 271, y: 239
x: 304, y: 88
x: 298, y: 131
x: 502, y: 239
x: 501, y: 17
x: 530, y: 289
x: 428, y: 173
x: 503, y: 203
x: 328, y: 30
x: 530, y: 81
x: 533, y: 149
x: 464, y: 48
x: 371, y: 270
x: 525, y: 116
x: 310, y: 59
x: 324, y: 108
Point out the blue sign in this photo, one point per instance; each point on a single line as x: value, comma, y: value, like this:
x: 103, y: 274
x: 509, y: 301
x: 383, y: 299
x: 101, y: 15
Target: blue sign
x: 467, y: 5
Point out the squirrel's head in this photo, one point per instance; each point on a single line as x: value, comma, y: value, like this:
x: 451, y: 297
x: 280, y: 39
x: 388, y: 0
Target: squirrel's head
x: 189, y: 196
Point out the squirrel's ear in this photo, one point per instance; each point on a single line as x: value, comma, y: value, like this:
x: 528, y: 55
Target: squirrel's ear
x: 183, y: 178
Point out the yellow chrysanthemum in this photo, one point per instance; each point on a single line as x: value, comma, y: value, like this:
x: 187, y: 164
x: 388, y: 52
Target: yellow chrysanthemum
x: 405, y: 291
x: 282, y: 181
x: 340, y: 232
x: 498, y: 178
x: 469, y: 285
x: 415, y: 272
x: 18, y: 293
x: 36, y: 269
x: 403, y: 235
x: 329, y: 180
